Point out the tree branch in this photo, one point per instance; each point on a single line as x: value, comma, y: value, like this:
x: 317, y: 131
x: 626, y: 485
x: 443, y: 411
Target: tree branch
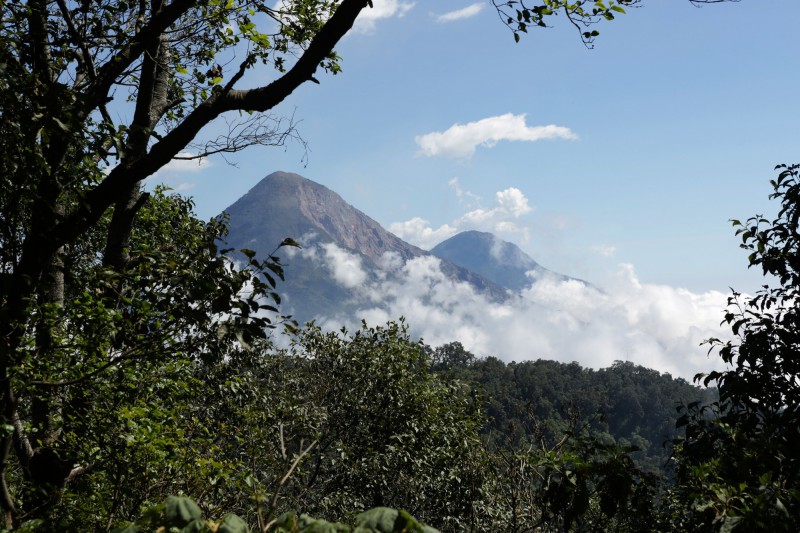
x: 113, y: 68
x: 85, y: 55
x: 260, y: 99
x: 37, y: 20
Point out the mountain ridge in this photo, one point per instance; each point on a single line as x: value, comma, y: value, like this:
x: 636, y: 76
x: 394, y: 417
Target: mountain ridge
x: 486, y: 254
x: 285, y: 204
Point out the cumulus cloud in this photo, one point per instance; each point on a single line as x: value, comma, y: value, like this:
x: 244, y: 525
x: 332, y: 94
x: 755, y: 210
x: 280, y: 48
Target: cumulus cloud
x: 656, y: 326
x: 510, y: 202
x: 501, y: 218
x: 345, y: 267
x: 419, y: 232
x: 173, y: 173
x: 382, y: 9
x: 461, y: 140
x: 463, y: 13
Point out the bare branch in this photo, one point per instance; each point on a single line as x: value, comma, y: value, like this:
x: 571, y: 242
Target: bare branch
x: 85, y: 57
x: 256, y: 130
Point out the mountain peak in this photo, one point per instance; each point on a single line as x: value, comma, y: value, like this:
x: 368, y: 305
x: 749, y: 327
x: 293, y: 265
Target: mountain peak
x: 287, y: 204
x: 493, y: 258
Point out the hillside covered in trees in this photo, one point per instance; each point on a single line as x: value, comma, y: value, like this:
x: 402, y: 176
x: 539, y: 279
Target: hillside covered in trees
x: 625, y: 404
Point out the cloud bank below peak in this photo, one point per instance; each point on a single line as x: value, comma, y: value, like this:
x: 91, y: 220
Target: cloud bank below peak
x: 655, y: 326
x: 461, y: 140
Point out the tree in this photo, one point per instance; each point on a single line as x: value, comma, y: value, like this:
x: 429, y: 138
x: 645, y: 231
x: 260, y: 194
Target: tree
x: 394, y: 434
x: 101, y: 379
x: 584, y: 15
x: 183, y: 513
x: 72, y: 204
x: 452, y: 354
x: 738, y: 466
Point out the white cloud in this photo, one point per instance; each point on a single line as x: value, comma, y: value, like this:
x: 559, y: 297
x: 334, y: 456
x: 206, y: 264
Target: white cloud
x: 382, y: 9
x: 345, y: 267
x: 390, y: 262
x: 172, y: 174
x: 461, y: 140
x: 510, y: 204
x: 463, y: 13
x: 655, y: 326
x: 419, y: 232
x: 461, y: 194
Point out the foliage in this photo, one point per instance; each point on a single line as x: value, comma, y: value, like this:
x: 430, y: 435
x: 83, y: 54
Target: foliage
x: 134, y: 357
x: 584, y: 15
x: 738, y: 466
x: 569, y: 448
x: 181, y: 514
x: 578, y: 484
x: 330, y: 428
x: 625, y: 403
x: 519, y: 15
x: 394, y: 434
x: 110, y: 296
x: 378, y: 520
x: 104, y: 379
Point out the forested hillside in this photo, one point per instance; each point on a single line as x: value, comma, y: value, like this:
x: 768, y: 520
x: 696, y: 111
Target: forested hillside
x: 541, y: 400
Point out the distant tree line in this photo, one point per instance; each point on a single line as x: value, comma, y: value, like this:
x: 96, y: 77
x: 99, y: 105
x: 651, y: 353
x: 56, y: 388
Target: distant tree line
x: 625, y: 403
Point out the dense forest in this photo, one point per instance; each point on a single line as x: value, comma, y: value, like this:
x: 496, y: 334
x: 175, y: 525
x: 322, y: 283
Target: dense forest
x: 627, y: 404
x: 145, y: 383
x: 342, y: 423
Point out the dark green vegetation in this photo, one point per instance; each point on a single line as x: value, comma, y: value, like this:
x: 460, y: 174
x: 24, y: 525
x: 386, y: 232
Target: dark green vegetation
x: 542, y: 400
x: 739, y: 466
x: 136, y: 361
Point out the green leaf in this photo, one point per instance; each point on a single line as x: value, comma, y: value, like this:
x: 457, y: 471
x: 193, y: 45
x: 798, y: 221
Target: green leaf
x: 233, y: 524
x: 180, y: 511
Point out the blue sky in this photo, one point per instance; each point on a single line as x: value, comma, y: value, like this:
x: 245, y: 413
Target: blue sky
x: 679, y: 115
x: 663, y: 132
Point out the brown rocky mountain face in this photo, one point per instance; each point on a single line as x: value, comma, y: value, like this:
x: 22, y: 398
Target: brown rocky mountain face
x: 287, y: 205
x: 347, y: 226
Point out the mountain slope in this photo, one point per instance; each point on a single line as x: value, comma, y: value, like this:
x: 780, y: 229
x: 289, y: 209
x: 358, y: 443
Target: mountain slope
x: 491, y: 257
x: 287, y: 205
